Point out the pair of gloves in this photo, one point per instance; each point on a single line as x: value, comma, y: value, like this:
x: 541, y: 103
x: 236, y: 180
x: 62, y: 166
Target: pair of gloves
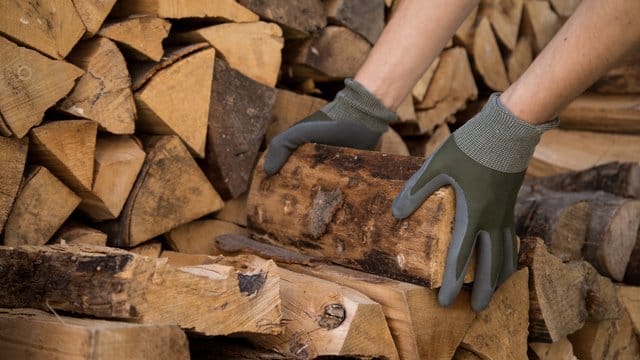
x: 484, y: 161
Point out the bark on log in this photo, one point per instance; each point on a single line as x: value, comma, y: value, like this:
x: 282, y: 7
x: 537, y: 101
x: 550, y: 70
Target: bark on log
x: 141, y: 36
x: 364, y: 17
x: 540, y: 23
x: 299, y: 19
x: 13, y: 156
x: 608, y: 113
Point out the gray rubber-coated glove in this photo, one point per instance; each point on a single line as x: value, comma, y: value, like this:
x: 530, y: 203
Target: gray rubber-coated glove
x: 485, y: 162
x: 355, y: 119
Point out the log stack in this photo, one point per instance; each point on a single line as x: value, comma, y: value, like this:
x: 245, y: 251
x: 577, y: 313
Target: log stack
x: 136, y: 220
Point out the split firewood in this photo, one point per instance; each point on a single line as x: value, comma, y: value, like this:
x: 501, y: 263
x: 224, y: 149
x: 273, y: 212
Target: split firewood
x: 141, y: 35
x: 151, y: 248
x: 336, y: 54
x: 179, y: 259
x: 118, y: 160
x: 623, y: 78
x: 234, y: 211
x: 519, y: 59
x: 425, y: 145
x: 504, y: 16
x: 336, y: 203
x: 563, y: 296
x: 93, y: 13
x: 406, y: 111
x: 610, y: 113
x: 239, y: 115
x: 103, y: 93
x: 36, y: 334
x: 4, y: 128
x: 113, y: 283
x: 13, y: 156
x: 40, y: 208
x: 199, y: 237
x: 559, y: 350
x: 288, y: 109
x: 77, y: 233
x: 463, y: 354
x: 412, y: 311
x: 67, y: 149
x: 298, y: 19
x: 420, y: 88
x: 500, y: 330
x: 629, y: 297
x: 176, y: 100
x: 568, y: 150
x: 364, y: 17
x: 632, y: 274
x: 254, y: 48
x: 487, y: 57
x: 392, y: 143
x: 171, y: 190
x: 464, y: 34
x: 52, y: 27
x: 30, y: 83
x: 220, y: 9
x: 564, y: 8
x: 540, y: 23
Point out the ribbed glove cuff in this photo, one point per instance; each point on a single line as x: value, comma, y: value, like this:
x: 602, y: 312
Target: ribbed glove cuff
x: 497, y: 139
x: 356, y: 103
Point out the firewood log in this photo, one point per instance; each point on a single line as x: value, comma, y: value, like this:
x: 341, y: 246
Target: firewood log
x: 35, y: 334
x: 234, y: 211
x: 30, y: 83
x: 609, y: 113
x: 519, y: 59
x: 564, y: 8
x: 540, y: 23
x: 93, y: 13
x: 559, y: 350
x: 219, y: 9
x: 420, y: 88
x: 364, y: 17
x: 504, y: 16
x: 288, y: 109
x: 623, y: 78
x: 151, y: 248
x: 299, y: 19
x: 13, y: 156
x: 198, y: 237
x: 406, y: 110
x: 141, y: 35
x: 487, y: 57
x: 78, y: 233
x: 392, y: 143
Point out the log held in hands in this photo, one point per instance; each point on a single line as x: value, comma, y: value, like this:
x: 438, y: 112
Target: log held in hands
x: 335, y: 203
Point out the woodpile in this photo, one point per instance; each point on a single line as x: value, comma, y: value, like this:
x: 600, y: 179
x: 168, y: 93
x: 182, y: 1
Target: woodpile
x: 136, y: 220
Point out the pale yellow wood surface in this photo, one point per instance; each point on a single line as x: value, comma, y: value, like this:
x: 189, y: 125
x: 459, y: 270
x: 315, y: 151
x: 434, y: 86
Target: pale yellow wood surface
x: 504, y: 16
x: 234, y: 211
x: 93, y: 13
x: 142, y: 35
x: 540, y: 22
x: 151, y: 248
x: 77, y: 233
x: 176, y: 100
x: 289, y: 109
x: 406, y: 111
x: 487, y: 57
x: 519, y: 59
x: 180, y: 9
x: 559, y: 350
x: 30, y: 83
x: 420, y: 88
x: 607, y: 113
x: 199, y: 237
x: 629, y: 297
x: 13, y: 157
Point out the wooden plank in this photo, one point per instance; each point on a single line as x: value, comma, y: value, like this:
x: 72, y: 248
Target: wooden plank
x: 92, y: 13
x: 298, y: 19
x: 336, y: 203
x: 151, y: 248
x: 30, y: 83
x: 40, y: 208
x: 288, y: 109
x: 141, y: 35
x: 177, y: 100
x: 364, y: 17
x: 13, y: 156
x: 52, y: 27
x: 238, y: 119
x: 176, y: 9
x: 34, y: 334
x: 171, y: 190
x: 609, y: 113
x: 198, y: 237
x: 113, y: 283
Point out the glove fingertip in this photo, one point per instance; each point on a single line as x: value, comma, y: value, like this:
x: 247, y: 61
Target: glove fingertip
x: 479, y: 303
x: 447, y: 295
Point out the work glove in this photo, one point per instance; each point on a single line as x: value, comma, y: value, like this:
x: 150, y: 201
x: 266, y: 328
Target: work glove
x: 485, y: 162
x: 355, y: 119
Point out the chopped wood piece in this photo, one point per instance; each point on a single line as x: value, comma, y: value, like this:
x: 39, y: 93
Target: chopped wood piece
x: 118, y: 160
x: 629, y: 297
x: 238, y: 118
x: 299, y: 19
x: 336, y: 54
x: 623, y: 78
x: 92, y: 13
x: 364, y: 17
x: 519, y: 59
x: 609, y: 113
x: 151, y: 248
x: 500, y: 331
x: 540, y: 22
x: 568, y: 150
x: 171, y: 190
x: 113, y: 283
x: 462, y: 354
x: 234, y: 211
x: 632, y: 274
x: 563, y: 296
x: 406, y: 110
x: 175, y: 9
x: 234, y: 243
x: 254, y: 48
x: 420, y: 88
x: 560, y: 350
x: 35, y: 334
x: 52, y: 27
x: 425, y: 145
x: 464, y: 34
x: 30, y: 83
x: 199, y: 237
x: 176, y: 100
x: 13, y: 156
x: 76, y: 233
x: 564, y: 8
x: 324, y: 318
x: 67, y: 149
x: 40, y: 208
x: 141, y: 35
x: 487, y: 57
x: 504, y: 16
x: 392, y: 143
x: 178, y: 259
x: 289, y: 108
x: 103, y: 93
x: 336, y: 203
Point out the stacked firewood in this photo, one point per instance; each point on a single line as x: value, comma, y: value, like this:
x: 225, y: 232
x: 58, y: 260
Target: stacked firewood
x: 137, y: 221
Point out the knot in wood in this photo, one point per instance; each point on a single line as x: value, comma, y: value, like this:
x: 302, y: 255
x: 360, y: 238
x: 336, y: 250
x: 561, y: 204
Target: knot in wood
x: 333, y: 316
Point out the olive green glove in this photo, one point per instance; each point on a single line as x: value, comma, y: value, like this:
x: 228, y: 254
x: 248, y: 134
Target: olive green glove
x: 355, y: 119
x: 485, y: 162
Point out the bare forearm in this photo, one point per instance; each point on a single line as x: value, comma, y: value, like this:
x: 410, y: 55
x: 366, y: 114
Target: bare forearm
x: 413, y: 38
x: 596, y: 36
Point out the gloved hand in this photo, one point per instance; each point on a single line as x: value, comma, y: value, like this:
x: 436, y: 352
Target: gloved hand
x: 355, y: 119
x: 485, y: 162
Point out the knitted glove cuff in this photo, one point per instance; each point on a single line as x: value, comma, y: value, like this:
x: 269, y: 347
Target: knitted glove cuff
x: 356, y: 103
x: 497, y: 139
